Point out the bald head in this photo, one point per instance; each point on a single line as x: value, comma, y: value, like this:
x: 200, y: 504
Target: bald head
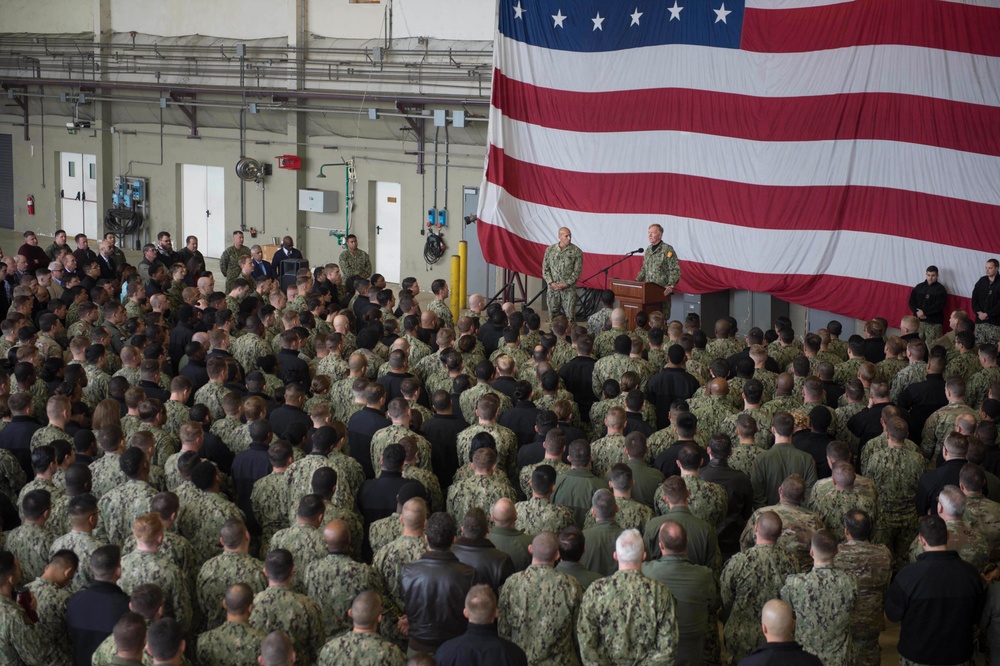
x: 783, y: 384
x: 778, y: 621
x: 545, y: 549
x: 238, y: 599
x: 618, y: 317
x: 337, y: 537
x: 503, y: 513
x: 718, y: 386
x: 414, y: 515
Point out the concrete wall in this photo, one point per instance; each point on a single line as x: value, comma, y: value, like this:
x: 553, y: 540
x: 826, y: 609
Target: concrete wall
x: 50, y: 16
x: 221, y: 148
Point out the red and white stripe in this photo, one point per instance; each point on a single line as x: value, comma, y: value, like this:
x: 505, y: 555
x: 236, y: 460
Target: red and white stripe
x: 847, y: 146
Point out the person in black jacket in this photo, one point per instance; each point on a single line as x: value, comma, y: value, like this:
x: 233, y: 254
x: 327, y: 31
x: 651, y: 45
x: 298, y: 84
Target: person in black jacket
x: 17, y: 435
x: 986, y: 305
x: 292, y: 368
x: 521, y: 417
x: 578, y: 375
x: 434, y: 588
x: 492, y: 566
x: 290, y: 412
x: 927, y: 304
x: 778, y: 622
x: 365, y: 423
x: 670, y: 384
x: 739, y: 492
x: 442, y: 432
x: 956, y: 450
x: 936, y: 600
x: 91, y: 613
x: 480, y: 644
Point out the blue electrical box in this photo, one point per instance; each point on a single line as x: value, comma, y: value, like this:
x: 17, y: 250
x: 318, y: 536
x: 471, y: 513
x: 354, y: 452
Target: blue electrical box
x: 442, y: 218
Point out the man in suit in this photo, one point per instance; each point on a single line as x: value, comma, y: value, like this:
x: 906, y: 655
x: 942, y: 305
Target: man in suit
x: 261, y: 266
x: 107, y: 260
x: 286, y: 251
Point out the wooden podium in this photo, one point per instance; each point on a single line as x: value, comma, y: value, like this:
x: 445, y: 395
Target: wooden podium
x: 637, y: 296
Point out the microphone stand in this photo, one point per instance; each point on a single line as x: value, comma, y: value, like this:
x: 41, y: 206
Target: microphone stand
x: 607, y: 268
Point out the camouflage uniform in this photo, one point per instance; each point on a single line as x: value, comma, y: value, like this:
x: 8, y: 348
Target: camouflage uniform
x: 538, y: 609
x: 47, y: 435
x: 333, y: 582
x: 913, y: 373
x: 477, y: 491
x: 823, y: 601
x: 963, y: 366
x: 210, y: 395
x: 106, y: 474
x: 306, y: 545
x: 832, y: 504
x: 233, y: 643
x: 708, y: 500
x: 360, y: 649
x: 767, y: 566
x: 430, y: 484
x: 225, y: 429
x: 130, y: 425
x: 711, y: 411
x: 507, y: 446
x: 165, y: 444
x: 51, y: 607
x: 355, y: 263
x: 299, y: 477
x: 469, y: 399
x: 538, y: 515
x: 604, y: 343
x: 140, y: 567
x: 630, y: 515
x: 887, y: 369
x: 120, y: 507
x: 97, y: 383
x: 177, y: 413
x: 30, y: 543
x: 939, y: 425
x: 605, y: 452
x: 389, y: 561
x: 280, y: 608
x: 391, y: 435
x: 871, y: 565
x: 178, y: 551
x: 983, y: 515
x: 201, y: 520
x: 660, y: 266
x: 230, y: 261
x: 895, y: 471
x: 83, y: 544
x: 218, y: 575
x: 970, y: 544
x: 724, y: 347
x: 647, y: 633
x: 334, y: 367
x: 22, y: 641
x: 661, y: 440
x: 524, y: 476
x: 441, y: 309
x: 797, y: 527
x: 11, y: 476
x: 763, y: 439
x: 612, y: 366
x: 521, y: 358
x: 384, y: 531
x: 978, y: 386
x: 269, y: 500
x: 247, y: 349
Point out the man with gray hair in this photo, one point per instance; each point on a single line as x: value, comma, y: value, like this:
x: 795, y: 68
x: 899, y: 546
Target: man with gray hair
x: 970, y: 544
x: 647, y: 632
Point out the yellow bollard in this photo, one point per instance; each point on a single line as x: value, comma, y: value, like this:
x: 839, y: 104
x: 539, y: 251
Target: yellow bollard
x: 456, y: 275
x: 463, y: 257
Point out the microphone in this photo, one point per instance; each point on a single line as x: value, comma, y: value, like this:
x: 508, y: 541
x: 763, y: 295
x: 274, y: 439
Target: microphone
x: 639, y: 251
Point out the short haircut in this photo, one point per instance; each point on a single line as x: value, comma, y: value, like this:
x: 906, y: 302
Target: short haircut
x: 440, y: 531
x: 278, y: 565
x: 933, y: 530
x: 164, y: 639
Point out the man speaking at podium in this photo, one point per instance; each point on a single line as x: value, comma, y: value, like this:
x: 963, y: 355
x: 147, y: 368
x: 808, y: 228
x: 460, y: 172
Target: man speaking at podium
x: 660, y: 266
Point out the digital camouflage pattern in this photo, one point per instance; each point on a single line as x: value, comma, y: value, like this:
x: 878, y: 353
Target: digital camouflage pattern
x: 562, y: 265
x: 538, y: 515
x: 269, y: 501
x: 983, y: 515
x: 797, y: 527
x: 121, y: 506
x: 970, y: 544
x: 142, y: 567
x: 219, y: 574
x: 232, y: 644
x: 538, y: 611
x: 83, y: 544
x: 477, y: 491
x: 306, y: 545
x: 871, y: 565
x: 51, y: 603
x: 30, y: 543
x: 767, y: 566
x: 360, y: 649
x: 646, y: 633
x: 823, y: 601
x: 630, y: 515
x: 280, y: 608
x: 333, y: 582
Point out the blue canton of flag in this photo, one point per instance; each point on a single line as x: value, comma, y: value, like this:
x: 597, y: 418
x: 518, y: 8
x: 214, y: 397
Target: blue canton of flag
x: 599, y: 25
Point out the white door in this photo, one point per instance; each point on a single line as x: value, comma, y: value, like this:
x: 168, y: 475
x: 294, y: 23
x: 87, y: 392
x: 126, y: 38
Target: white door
x: 90, y: 217
x: 73, y: 196
x: 388, y: 219
x: 203, y: 207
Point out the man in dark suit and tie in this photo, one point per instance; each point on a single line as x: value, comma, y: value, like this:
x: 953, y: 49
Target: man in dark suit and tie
x: 106, y: 260
x: 261, y: 266
x: 286, y: 251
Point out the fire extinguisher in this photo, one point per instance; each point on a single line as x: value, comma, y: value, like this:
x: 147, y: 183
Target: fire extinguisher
x: 31, y: 204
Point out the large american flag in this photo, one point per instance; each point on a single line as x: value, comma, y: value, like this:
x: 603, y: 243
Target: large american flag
x: 823, y: 151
